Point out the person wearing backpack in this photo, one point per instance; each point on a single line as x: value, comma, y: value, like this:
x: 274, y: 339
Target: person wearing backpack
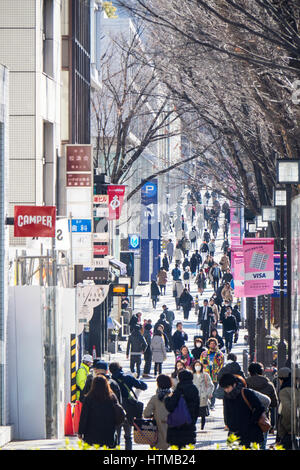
x: 126, y: 383
x: 183, y: 406
x: 186, y: 279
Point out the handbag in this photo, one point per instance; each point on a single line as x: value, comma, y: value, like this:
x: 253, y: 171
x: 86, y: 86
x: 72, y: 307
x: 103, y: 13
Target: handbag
x: 133, y: 407
x: 145, y: 431
x: 263, y: 421
x: 120, y: 414
x: 180, y: 415
x: 236, y: 337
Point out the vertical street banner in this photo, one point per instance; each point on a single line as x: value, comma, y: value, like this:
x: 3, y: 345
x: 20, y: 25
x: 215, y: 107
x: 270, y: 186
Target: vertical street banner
x: 238, y: 272
x: 259, y: 266
x: 115, y: 200
x: 276, y: 291
x: 235, y: 225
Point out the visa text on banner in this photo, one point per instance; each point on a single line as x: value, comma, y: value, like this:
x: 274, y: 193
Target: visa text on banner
x: 259, y: 266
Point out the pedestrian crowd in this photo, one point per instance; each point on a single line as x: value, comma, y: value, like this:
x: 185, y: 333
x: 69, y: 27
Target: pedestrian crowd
x: 209, y: 371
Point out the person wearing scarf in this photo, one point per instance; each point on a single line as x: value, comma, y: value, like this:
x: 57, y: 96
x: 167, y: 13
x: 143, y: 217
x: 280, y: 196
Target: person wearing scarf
x: 157, y: 410
x: 186, y: 357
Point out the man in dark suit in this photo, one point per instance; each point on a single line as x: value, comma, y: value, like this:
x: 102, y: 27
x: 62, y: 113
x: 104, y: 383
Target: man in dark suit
x: 205, y: 318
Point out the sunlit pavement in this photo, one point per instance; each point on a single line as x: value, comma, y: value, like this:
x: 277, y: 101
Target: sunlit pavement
x: 213, y: 434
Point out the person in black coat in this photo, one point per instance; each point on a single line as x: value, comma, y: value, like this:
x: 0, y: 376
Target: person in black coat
x: 198, y: 347
x: 155, y: 292
x: 178, y: 339
x: 97, y: 423
x: 205, y: 319
x: 186, y: 434
x: 101, y: 368
x: 165, y: 262
x: 230, y: 327
x: 241, y: 420
x: 186, y: 301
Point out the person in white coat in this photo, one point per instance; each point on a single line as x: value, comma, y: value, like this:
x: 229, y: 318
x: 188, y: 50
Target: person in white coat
x: 205, y: 388
x: 158, y: 348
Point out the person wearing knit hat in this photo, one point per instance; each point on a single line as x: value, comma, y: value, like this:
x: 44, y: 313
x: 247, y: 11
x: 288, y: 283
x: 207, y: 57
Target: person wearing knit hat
x: 100, y: 367
x: 284, y: 425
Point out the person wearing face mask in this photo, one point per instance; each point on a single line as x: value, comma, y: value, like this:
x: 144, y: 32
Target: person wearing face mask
x: 205, y: 388
x: 198, y: 347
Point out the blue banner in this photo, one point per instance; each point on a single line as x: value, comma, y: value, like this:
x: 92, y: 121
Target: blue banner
x: 276, y: 291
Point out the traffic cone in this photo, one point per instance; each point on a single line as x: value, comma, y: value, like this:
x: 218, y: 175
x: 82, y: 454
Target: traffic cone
x: 69, y: 428
x: 76, y: 418
x: 94, y: 352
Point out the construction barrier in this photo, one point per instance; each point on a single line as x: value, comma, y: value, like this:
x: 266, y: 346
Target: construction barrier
x: 69, y: 427
x: 76, y: 417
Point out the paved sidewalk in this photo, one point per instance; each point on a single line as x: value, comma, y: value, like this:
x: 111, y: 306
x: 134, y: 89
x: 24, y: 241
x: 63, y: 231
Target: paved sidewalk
x: 213, y: 433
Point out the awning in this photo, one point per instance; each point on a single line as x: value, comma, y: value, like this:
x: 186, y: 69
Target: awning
x: 118, y: 264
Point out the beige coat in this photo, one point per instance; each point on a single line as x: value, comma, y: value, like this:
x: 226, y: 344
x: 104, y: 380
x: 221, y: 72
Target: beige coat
x: 226, y: 294
x: 156, y: 409
x: 162, y: 278
x: 224, y: 263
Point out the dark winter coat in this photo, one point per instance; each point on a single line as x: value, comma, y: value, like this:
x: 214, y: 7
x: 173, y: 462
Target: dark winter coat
x: 179, y: 338
x: 231, y: 367
x: 113, y: 385
x: 229, y: 323
x: 154, y: 289
x: 196, y: 352
x: 131, y: 382
x: 97, y: 422
x: 185, y: 434
x: 186, y: 300
x: 165, y: 263
x: 240, y: 419
x: 136, y: 343
x: 193, y: 263
x: 263, y: 385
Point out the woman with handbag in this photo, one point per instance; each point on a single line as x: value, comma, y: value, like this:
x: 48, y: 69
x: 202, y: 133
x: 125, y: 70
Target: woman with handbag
x: 157, y: 410
x: 205, y: 388
x: 101, y: 414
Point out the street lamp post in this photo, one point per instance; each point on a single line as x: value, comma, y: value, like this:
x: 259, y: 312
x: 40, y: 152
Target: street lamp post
x: 280, y: 202
x: 288, y: 173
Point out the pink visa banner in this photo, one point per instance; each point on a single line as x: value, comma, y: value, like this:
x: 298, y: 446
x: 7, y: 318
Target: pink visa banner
x: 235, y: 226
x: 259, y: 266
x: 238, y: 272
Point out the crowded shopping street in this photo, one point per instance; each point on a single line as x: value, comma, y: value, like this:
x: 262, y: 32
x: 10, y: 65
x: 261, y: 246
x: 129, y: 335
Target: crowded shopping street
x: 149, y: 229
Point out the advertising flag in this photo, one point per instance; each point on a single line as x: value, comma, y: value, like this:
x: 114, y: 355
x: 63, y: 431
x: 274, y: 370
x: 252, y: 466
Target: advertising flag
x: 259, y: 266
x: 238, y: 273
x: 115, y: 200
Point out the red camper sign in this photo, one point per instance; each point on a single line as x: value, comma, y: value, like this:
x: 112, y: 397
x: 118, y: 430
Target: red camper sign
x: 34, y: 221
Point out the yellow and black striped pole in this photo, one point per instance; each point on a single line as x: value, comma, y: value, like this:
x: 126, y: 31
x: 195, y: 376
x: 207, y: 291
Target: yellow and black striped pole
x: 73, y: 368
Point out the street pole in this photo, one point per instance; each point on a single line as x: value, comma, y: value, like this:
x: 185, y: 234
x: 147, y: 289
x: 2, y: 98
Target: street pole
x: 289, y: 270
x: 281, y: 358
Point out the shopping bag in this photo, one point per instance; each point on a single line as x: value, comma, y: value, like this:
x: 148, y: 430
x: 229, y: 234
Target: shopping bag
x: 145, y: 431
